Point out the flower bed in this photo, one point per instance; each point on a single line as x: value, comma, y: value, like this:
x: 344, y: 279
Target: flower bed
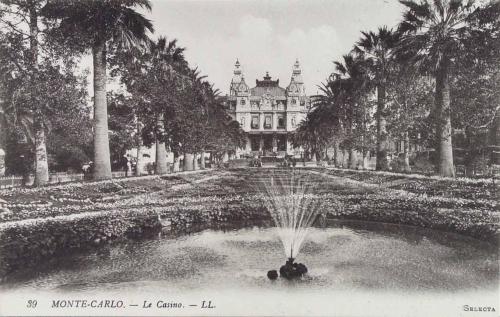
x: 51, y: 201
x: 42, y: 223
x: 485, y: 188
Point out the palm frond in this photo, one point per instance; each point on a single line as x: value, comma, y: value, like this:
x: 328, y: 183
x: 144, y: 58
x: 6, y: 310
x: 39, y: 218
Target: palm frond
x: 420, y: 10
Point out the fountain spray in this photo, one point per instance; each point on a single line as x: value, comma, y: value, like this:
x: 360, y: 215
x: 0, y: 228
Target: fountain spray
x: 293, y: 210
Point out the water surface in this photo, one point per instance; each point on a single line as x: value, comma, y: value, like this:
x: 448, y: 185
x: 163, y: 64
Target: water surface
x: 351, y: 264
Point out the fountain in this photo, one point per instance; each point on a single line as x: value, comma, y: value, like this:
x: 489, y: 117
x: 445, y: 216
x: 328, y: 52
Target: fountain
x: 293, y: 210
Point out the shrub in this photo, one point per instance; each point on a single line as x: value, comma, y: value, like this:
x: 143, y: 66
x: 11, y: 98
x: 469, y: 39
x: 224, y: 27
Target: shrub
x: 398, y: 165
x: 27, y: 244
x: 423, y: 165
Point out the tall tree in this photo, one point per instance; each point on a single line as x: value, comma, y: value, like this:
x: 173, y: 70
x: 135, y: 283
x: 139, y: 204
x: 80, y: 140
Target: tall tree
x: 153, y: 79
x: 330, y: 110
x: 170, y: 57
x: 433, y: 36
x: 352, y: 81
x: 40, y: 80
x: 27, y: 11
x: 475, y: 89
x: 409, y: 96
x: 378, y: 50
x: 100, y: 25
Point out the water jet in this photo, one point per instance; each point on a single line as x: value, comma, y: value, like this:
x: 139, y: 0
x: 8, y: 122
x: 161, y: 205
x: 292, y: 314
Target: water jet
x: 293, y: 210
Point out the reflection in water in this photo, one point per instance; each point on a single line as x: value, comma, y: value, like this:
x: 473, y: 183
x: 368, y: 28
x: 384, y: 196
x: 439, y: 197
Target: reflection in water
x: 341, y: 256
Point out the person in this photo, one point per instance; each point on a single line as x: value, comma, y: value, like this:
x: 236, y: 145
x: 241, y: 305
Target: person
x: 134, y: 167
x: 128, y: 170
x: 87, y: 169
x: 259, y: 162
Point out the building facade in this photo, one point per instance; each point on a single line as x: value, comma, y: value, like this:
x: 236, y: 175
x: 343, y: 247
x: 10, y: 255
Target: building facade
x: 268, y: 113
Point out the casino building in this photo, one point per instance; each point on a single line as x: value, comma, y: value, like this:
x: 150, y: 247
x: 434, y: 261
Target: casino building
x: 268, y: 113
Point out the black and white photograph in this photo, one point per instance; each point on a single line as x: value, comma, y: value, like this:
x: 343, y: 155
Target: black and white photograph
x: 250, y: 158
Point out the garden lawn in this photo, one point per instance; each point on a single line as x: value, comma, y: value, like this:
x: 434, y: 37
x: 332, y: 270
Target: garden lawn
x: 181, y: 200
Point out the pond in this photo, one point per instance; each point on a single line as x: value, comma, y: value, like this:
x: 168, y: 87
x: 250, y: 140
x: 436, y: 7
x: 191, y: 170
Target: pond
x: 353, y: 266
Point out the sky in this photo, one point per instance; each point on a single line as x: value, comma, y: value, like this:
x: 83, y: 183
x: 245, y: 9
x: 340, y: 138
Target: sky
x: 269, y: 35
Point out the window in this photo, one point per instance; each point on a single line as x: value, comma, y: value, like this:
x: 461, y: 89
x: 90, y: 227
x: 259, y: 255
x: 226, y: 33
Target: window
x: 268, y: 121
x: 294, y: 101
x: 242, y: 102
x: 281, y: 121
x: 255, y: 121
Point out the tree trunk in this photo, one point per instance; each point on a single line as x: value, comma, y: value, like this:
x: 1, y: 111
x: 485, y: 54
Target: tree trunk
x: 140, y: 161
x: 176, y: 166
x: 195, y: 162
x: 161, y: 150
x: 41, y: 162
x: 471, y: 153
x: 442, y: 103
x: 345, y: 158
x: 336, y: 154
x: 202, y: 160
x: 366, y: 156
x: 3, y: 141
x: 188, y: 162
x: 495, y: 141
x: 406, y: 152
x: 352, y: 159
x: 382, y: 144
x: 161, y: 167
x: 313, y: 156
x: 102, y: 161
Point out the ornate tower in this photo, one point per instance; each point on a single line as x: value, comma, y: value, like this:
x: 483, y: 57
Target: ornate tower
x: 238, y: 85
x: 296, y: 86
x: 296, y: 98
x: 241, y: 97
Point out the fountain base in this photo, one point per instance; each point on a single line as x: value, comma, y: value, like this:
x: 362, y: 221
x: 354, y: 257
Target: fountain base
x: 289, y: 271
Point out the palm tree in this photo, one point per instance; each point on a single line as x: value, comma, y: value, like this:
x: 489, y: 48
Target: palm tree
x: 307, y: 134
x: 432, y: 35
x: 169, y: 58
x: 196, y: 107
x: 352, y: 81
x: 378, y: 50
x: 99, y: 23
x: 332, y: 109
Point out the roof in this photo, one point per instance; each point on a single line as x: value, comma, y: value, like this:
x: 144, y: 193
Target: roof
x: 267, y: 86
x: 273, y: 91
